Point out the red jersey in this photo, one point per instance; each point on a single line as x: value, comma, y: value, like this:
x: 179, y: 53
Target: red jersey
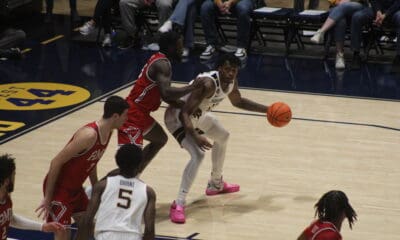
x: 145, y: 94
x: 321, y: 230
x: 5, y: 217
x: 74, y: 172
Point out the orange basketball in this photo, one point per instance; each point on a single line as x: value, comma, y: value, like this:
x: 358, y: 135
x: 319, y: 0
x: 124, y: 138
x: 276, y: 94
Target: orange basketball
x: 279, y: 114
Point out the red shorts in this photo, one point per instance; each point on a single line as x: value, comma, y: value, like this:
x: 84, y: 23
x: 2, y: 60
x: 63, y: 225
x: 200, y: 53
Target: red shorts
x: 65, y: 203
x: 137, y: 125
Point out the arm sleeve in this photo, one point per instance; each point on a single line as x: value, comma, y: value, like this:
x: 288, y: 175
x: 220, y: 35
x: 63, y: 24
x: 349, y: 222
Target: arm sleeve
x: 25, y: 223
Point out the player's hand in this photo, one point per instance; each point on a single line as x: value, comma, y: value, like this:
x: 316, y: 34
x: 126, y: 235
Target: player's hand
x: 379, y: 18
x: 227, y: 7
x: 53, y: 227
x: 197, y: 113
x: 203, y: 143
x: 43, y: 209
x: 220, y: 5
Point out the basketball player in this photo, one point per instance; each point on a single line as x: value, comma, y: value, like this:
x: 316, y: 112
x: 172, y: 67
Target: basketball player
x: 152, y: 87
x: 332, y: 208
x: 190, y: 130
x: 121, y: 203
x: 7, y: 216
x: 64, y: 196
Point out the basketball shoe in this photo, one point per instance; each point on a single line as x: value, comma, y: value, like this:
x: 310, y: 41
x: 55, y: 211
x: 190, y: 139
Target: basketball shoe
x: 177, y: 213
x: 223, y: 187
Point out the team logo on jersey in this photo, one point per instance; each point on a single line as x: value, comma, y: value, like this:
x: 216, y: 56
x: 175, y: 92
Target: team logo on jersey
x: 40, y: 95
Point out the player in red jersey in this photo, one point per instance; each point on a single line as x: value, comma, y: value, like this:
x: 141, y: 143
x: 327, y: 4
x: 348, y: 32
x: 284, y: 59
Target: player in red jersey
x: 64, y: 196
x: 332, y: 208
x: 153, y: 86
x: 7, y: 216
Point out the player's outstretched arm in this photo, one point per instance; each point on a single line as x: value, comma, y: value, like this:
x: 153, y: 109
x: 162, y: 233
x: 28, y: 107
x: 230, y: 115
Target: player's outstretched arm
x: 205, y: 90
x: 150, y: 215
x: 161, y: 72
x: 85, y: 225
x: 27, y: 224
x: 243, y: 103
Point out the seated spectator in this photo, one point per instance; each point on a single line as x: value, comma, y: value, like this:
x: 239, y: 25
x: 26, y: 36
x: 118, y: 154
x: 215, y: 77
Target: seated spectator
x: 49, y: 11
x: 129, y: 9
x: 242, y: 9
x: 338, y: 15
x: 102, y: 14
x: 10, y: 41
x: 332, y: 208
x: 382, y: 11
x: 183, y: 19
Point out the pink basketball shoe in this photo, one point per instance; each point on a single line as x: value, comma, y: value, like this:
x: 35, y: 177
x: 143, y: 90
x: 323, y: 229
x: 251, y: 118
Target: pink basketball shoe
x: 212, y: 189
x: 177, y: 213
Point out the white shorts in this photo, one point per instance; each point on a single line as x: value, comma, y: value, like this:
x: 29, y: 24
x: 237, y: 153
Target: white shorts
x: 110, y: 235
x: 174, y: 125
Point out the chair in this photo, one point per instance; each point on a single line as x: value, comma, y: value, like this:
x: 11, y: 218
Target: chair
x: 375, y: 41
x: 272, y: 22
x: 309, y: 20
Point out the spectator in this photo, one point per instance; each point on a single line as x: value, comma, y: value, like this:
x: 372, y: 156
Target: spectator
x: 209, y: 11
x: 382, y: 11
x: 338, y: 15
x: 183, y: 19
x: 49, y: 11
x: 10, y: 40
x: 102, y: 14
x: 129, y: 9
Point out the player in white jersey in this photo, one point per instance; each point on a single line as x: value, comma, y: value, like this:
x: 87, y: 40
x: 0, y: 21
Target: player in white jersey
x: 189, y: 125
x: 121, y: 202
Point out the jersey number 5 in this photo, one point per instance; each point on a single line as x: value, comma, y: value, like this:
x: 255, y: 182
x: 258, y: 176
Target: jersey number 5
x: 125, y: 197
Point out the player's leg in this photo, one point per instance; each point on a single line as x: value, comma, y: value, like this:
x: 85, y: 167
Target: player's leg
x: 215, y: 131
x: 157, y: 138
x: 142, y: 126
x: 177, y: 210
x: 60, y: 212
x: 191, y: 169
x: 79, y: 206
x: 62, y: 235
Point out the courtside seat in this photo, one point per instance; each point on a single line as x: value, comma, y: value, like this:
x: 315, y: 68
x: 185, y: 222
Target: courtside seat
x: 309, y: 20
x: 381, y: 38
x: 271, y: 22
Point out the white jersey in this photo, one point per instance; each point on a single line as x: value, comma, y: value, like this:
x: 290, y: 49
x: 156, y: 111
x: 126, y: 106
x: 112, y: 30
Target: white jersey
x: 208, y: 104
x: 121, y: 208
x: 206, y: 120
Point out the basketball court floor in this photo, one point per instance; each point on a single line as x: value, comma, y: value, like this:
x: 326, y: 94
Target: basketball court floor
x: 344, y: 135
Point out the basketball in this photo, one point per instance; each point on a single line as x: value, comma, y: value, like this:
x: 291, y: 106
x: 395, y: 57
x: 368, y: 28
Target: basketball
x: 279, y: 114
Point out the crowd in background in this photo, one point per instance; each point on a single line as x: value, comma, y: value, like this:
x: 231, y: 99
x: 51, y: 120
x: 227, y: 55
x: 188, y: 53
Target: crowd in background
x: 181, y: 16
